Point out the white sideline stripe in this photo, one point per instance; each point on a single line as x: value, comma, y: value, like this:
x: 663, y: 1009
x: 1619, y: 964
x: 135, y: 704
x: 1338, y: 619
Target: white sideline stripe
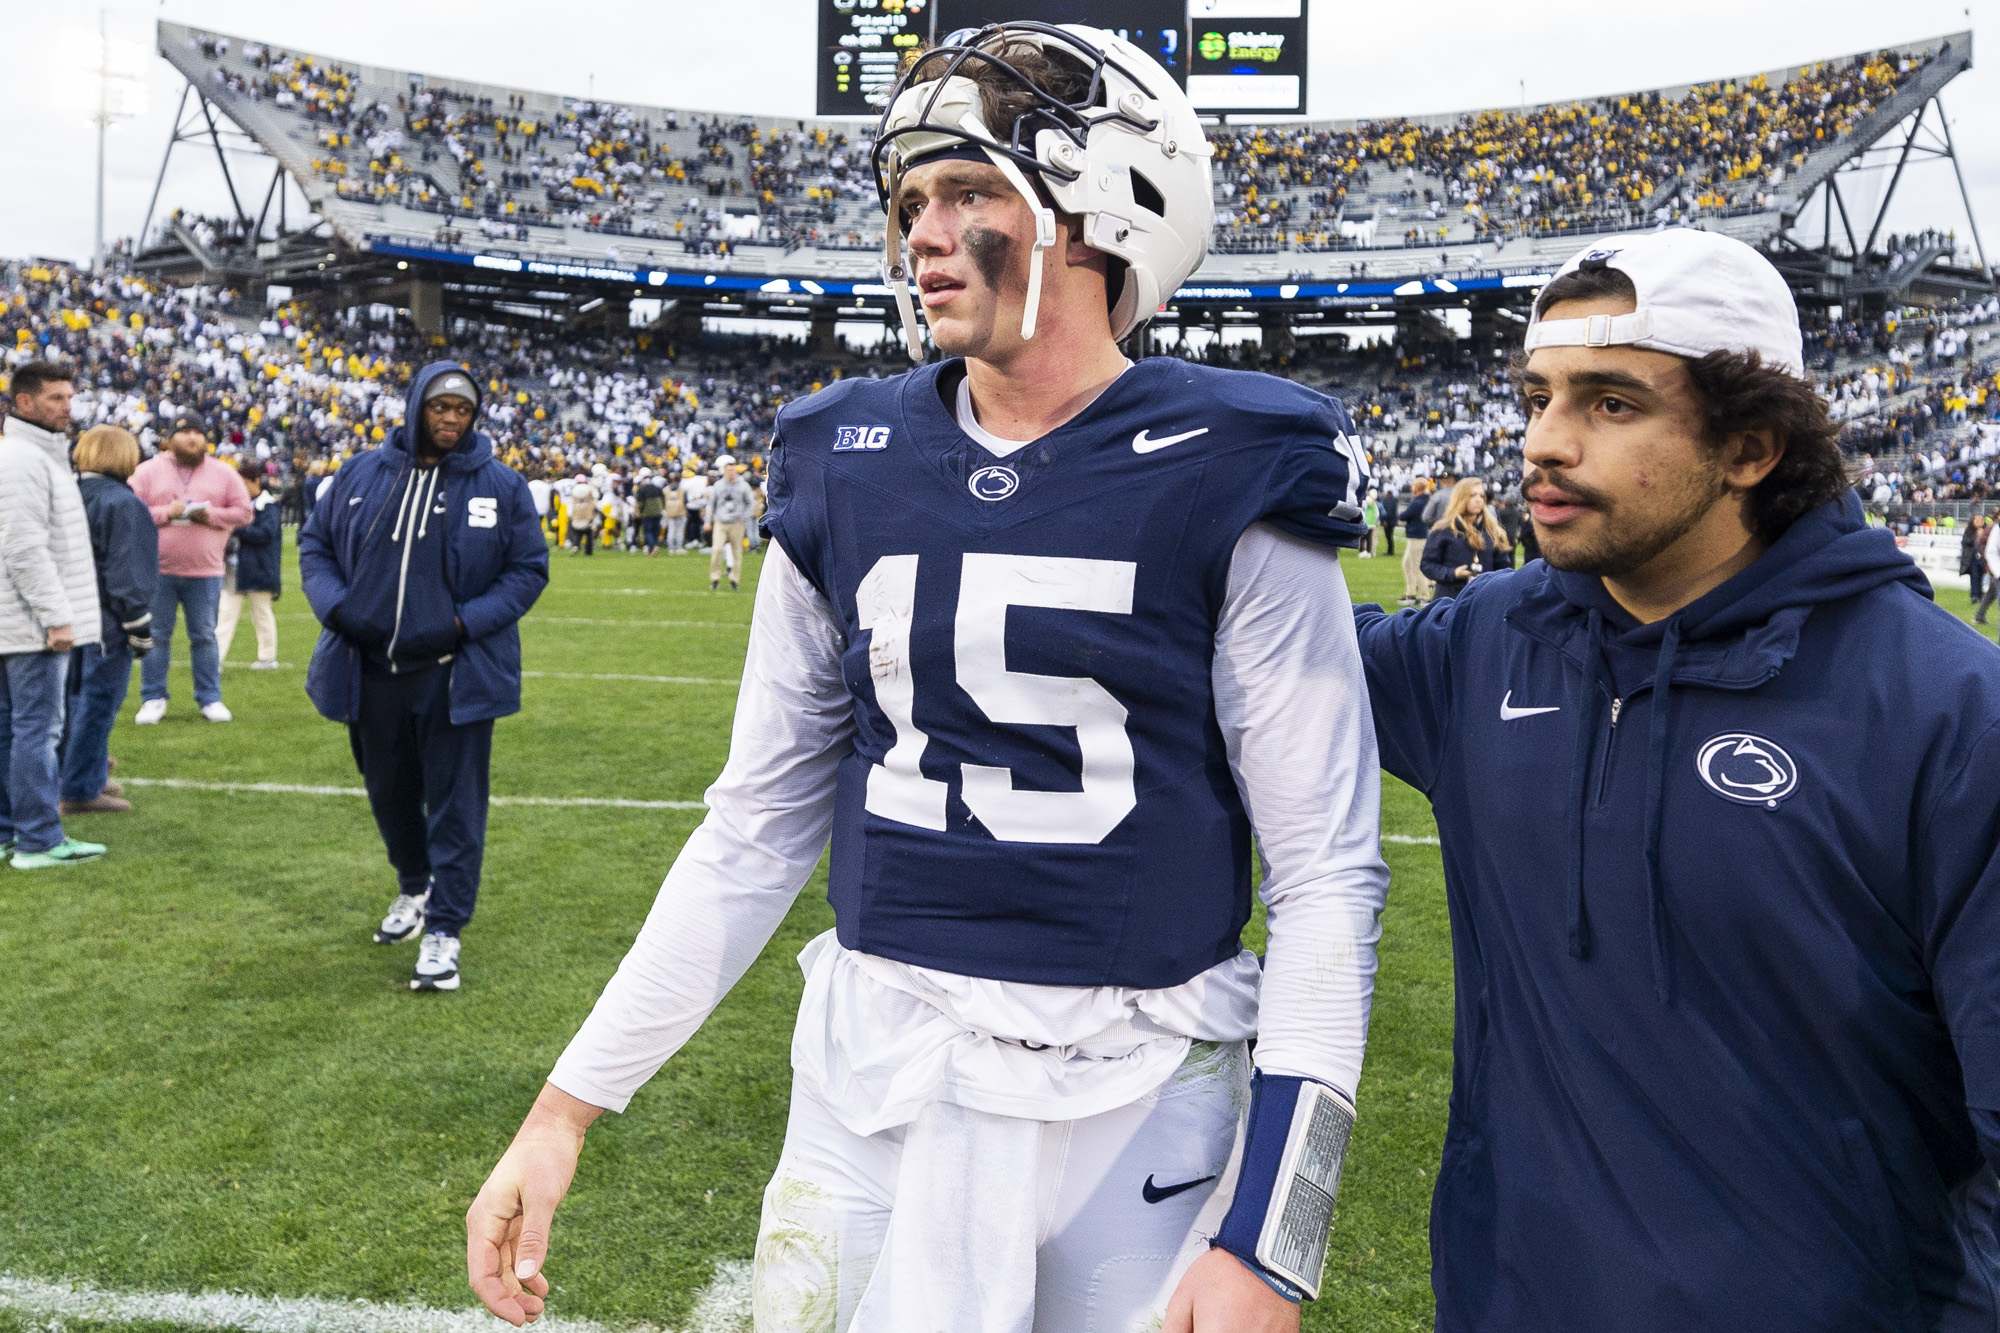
x: 612, y: 675
x: 1406, y: 838
x: 298, y: 789
x: 723, y: 1306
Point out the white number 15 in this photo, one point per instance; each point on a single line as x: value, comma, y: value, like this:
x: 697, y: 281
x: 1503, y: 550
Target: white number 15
x: 988, y: 585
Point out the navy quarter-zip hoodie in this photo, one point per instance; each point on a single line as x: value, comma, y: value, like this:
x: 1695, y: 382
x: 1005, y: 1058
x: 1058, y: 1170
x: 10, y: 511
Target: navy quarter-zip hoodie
x: 1725, y: 905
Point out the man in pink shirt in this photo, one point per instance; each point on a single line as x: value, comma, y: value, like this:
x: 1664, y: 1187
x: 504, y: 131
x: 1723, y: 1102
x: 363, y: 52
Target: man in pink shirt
x: 196, y: 500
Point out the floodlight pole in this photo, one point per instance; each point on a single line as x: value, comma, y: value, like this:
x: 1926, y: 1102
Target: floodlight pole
x: 103, y: 118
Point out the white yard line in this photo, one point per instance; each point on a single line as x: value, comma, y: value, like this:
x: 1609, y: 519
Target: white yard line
x: 722, y: 1307
x: 613, y: 802
x: 642, y: 624
x: 629, y: 592
x: 182, y: 669
x: 612, y: 675
x: 298, y: 789
x: 565, y: 620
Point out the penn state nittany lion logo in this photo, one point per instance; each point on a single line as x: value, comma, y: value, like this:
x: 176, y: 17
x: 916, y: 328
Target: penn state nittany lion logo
x: 994, y: 483
x: 1748, y: 769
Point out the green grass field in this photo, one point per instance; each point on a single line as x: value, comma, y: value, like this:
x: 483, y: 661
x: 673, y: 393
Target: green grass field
x: 214, y: 1081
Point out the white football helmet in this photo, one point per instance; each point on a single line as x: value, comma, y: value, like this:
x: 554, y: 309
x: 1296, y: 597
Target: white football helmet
x: 1128, y: 157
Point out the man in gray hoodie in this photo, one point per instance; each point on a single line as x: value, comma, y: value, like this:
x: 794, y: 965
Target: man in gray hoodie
x: 729, y: 505
x: 48, y: 605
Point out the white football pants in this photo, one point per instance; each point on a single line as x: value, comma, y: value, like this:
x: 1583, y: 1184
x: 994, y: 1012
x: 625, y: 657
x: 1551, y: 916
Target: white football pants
x: 1089, y: 1237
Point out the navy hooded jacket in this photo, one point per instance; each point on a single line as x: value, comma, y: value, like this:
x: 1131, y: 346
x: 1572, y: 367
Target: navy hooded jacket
x: 1726, y: 929
x: 481, y: 531
x: 260, y: 548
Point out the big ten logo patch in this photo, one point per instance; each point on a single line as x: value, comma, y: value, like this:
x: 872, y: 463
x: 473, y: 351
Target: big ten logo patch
x: 860, y: 439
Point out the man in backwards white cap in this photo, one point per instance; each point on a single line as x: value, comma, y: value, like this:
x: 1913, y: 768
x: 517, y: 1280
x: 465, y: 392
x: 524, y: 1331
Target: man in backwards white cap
x: 1715, y: 785
x: 1043, y: 637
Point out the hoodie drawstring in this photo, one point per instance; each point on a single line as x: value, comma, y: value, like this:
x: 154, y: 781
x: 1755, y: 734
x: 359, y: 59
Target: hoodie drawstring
x: 430, y: 496
x: 1586, y: 741
x: 409, y: 486
x: 1656, y: 801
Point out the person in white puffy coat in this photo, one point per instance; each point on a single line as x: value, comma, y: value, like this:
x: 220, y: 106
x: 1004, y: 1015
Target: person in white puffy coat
x: 48, y: 605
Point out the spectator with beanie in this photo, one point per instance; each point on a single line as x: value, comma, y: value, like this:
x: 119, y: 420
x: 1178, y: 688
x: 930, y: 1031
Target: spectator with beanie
x: 127, y: 550
x: 197, y: 500
x: 48, y: 606
x: 253, y: 575
x: 420, y: 563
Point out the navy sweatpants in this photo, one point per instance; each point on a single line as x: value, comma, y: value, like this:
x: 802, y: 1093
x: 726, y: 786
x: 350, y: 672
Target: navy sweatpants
x: 427, y: 784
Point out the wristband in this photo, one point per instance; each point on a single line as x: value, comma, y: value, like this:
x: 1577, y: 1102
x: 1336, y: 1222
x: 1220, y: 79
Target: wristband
x: 1287, y: 1180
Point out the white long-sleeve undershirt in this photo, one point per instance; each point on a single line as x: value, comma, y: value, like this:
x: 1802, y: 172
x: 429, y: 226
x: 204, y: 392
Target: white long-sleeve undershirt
x: 1293, y: 709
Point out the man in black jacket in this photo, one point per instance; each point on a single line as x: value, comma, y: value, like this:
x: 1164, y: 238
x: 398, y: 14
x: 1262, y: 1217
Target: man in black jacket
x: 126, y: 546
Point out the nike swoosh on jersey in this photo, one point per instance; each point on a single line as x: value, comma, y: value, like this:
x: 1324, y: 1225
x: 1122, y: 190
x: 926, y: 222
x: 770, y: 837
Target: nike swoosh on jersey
x: 1156, y: 1193
x: 1142, y: 445
x: 1509, y: 713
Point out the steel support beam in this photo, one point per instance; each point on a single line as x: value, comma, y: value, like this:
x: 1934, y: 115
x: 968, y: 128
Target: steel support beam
x: 1833, y: 189
x: 1902, y: 160
x: 277, y: 183
x: 1972, y: 221
x: 172, y: 139
x: 215, y: 137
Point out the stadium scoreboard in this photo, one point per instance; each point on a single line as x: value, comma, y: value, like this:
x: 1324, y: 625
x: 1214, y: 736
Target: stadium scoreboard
x: 1247, y: 55
x: 1231, y: 55
x: 861, y: 48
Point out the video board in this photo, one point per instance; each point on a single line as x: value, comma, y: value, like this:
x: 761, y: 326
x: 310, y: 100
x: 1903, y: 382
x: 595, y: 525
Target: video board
x: 1157, y: 27
x: 1247, y: 56
x: 861, y: 48
x: 862, y: 42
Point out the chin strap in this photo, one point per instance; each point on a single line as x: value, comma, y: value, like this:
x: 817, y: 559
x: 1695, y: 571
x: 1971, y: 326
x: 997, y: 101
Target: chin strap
x: 1287, y: 1179
x: 898, y: 277
x: 1045, y: 237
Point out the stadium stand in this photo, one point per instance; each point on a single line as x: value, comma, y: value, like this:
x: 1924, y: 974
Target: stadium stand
x: 394, y: 155
x: 302, y: 391
x: 445, y: 210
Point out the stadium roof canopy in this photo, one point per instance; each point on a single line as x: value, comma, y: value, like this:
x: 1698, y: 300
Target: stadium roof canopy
x: 439, y: 191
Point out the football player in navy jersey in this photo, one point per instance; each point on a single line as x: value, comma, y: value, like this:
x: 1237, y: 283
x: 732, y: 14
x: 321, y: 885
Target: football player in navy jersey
x: 1043, y: 639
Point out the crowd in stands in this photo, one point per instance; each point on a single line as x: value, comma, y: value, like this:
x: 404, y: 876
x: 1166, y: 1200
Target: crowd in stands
x: 711, y: 183
x: 1617, y: 161
x: 299, y: 393
x: 598, y: 166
